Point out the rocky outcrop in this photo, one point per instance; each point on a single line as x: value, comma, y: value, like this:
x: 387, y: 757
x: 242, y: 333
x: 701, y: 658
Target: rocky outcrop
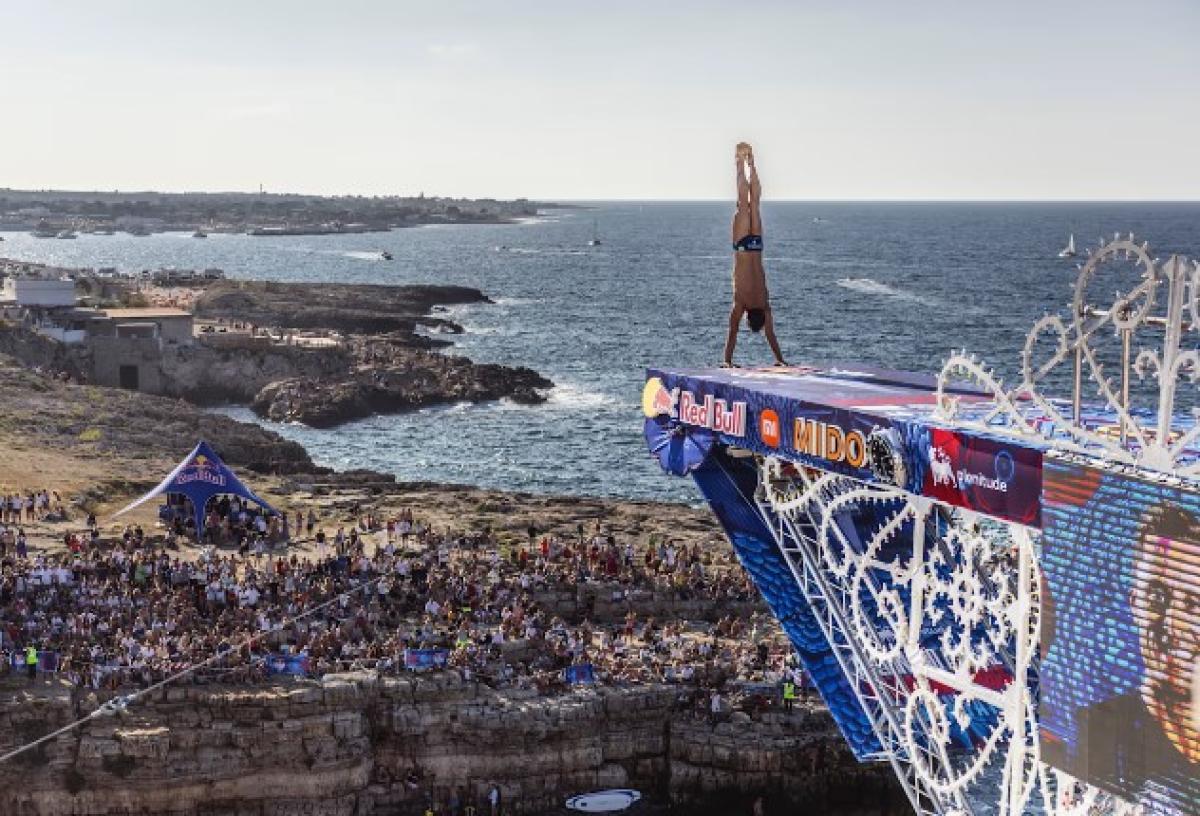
x: 208, y: 376
x: 45, y: 411
x: 350, y: 308
x: 359, y: 744
x: 410, y: 380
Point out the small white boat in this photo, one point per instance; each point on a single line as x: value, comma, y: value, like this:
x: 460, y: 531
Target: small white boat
x: 66, y: 234
x: 605, y: 801
x: 1069, y: 250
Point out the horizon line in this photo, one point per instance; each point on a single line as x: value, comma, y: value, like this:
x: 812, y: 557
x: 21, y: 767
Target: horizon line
x: 550, y: 201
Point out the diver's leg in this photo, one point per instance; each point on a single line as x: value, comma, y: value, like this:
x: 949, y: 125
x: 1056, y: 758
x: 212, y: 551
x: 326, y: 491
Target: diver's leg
x: 741, y: 216
x: 755, y: 196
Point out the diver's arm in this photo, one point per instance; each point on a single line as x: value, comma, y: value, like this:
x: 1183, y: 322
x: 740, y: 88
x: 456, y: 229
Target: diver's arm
x: 735, y: 317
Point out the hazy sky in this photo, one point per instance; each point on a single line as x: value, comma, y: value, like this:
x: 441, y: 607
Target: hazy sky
x: 570, y: 99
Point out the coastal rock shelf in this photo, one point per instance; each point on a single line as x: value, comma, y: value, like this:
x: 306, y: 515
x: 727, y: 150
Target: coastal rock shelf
x: 362, y: 744
x: 350, y: 308
x: 409, y: 380
x: 89, y: 422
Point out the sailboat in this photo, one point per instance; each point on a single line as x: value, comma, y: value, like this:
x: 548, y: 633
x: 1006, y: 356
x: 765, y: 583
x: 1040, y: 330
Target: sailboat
x: 595, y: 235
x: 1069, y: 251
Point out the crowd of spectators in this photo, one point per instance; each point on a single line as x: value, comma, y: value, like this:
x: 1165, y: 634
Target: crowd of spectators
x: 124, y: 612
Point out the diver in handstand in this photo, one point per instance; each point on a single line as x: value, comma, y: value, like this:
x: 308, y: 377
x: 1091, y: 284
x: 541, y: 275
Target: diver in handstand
x: 750, y: 295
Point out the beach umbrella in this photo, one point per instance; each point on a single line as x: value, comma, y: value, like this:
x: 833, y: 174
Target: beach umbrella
x: 680, y: 449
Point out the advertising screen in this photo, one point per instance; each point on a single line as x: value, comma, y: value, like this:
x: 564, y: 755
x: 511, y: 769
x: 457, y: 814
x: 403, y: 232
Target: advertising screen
x: 1120, y: 679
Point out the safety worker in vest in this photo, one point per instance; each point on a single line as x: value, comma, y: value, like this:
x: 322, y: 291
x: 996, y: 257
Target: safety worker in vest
x: 31, y: 661
x: 789, y: 695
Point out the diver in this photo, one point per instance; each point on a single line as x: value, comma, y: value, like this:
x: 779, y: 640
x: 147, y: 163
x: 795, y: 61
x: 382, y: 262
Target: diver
x: 750, y: 295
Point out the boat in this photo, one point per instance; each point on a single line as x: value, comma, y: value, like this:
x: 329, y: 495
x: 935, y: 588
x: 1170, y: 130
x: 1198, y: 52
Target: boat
x: 199, y: 234
x: 595, y: 235
x: 387, y: 256
x: 1069, y: 250
x: 66, y: 234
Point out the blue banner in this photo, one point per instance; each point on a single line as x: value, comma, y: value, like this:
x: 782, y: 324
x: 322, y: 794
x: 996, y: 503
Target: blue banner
x: 288, y: 664
x: 581, y: 673
x: 426, y: 658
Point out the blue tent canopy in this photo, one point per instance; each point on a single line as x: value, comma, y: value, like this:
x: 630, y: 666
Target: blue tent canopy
x: 200, y: 476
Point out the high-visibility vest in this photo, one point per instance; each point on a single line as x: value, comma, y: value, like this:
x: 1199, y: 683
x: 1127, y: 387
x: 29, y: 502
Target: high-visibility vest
x: 31, y: 656
x: 789, y: 691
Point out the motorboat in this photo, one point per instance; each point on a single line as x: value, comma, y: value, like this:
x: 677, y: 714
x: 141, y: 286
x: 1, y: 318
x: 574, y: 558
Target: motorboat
x: 387, y: 256
x: 199, y: 234
x: 66, y: 234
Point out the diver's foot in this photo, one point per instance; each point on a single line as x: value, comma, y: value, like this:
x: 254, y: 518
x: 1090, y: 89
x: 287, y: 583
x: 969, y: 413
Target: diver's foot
x: 729, y: 364
x: 780, y: 364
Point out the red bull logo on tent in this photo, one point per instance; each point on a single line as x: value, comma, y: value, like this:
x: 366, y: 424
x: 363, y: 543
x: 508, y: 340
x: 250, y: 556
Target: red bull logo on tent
x: 201, y: 469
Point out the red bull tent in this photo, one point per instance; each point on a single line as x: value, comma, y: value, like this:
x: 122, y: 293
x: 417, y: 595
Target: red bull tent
x: 200, y: 476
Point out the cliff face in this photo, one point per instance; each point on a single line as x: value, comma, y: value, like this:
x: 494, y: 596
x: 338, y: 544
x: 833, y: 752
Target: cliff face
x: 347, y: 745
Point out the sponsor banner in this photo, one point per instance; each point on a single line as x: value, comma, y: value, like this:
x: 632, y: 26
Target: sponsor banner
x: 426, y: 658
x: 293, y: 665
x: 982, y: 474
x: 1119, y: 702
x: 978, y: 473
x: 823, y: 436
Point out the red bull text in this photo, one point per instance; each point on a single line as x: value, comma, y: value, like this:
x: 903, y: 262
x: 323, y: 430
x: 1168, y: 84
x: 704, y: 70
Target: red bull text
x: 714, y: 414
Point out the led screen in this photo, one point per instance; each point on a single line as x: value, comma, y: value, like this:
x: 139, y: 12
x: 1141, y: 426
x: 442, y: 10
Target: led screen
x: 1120, y: 679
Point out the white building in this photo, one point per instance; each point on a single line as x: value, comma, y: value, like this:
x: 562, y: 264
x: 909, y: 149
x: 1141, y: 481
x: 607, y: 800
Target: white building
x: 43, y: 292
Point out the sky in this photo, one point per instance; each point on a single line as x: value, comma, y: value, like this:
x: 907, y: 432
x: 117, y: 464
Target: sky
x: 565, y: 100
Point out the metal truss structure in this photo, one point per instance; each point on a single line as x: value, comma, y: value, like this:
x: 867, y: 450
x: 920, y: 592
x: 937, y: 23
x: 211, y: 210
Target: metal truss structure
x: 915, y: 628
x: 931, y: 604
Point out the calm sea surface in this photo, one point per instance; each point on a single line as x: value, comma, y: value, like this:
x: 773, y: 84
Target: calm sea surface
x: 892, y: 284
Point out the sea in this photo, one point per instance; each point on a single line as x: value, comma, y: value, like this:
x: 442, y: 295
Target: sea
x: 900, y: 285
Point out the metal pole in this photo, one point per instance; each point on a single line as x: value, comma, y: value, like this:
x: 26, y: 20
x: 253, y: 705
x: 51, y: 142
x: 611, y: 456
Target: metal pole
x: 1077, y: 394
x: 1126, y: 341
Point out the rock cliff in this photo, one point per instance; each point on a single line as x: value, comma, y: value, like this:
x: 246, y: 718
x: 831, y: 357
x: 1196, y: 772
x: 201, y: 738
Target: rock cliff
x: 359, y: 744
x: 410, y: 379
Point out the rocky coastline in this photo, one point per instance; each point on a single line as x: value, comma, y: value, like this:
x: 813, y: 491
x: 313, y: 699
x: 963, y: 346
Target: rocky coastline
x: 318, y: 354
x: 361, y: 744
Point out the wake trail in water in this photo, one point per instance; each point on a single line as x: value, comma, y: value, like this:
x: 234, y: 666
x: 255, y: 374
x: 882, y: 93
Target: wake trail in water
x: 870, y: 286
x: 573, y: 395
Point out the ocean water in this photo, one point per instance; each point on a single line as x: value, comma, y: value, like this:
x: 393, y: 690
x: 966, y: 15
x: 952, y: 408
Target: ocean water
x: 898, y: 285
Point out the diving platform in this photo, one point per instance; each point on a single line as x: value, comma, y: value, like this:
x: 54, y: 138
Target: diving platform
x: 994, y: 589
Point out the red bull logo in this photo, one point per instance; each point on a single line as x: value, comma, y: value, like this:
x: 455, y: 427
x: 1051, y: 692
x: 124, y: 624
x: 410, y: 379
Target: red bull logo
x: 712, y: 413
x: 201, y: 469
x: 657, y: 400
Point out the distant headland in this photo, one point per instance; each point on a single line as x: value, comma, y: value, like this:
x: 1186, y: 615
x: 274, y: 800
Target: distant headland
x: 64, y: 213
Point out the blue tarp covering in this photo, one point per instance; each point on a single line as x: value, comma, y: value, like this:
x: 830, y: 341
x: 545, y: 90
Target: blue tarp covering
x: 200, y: 476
